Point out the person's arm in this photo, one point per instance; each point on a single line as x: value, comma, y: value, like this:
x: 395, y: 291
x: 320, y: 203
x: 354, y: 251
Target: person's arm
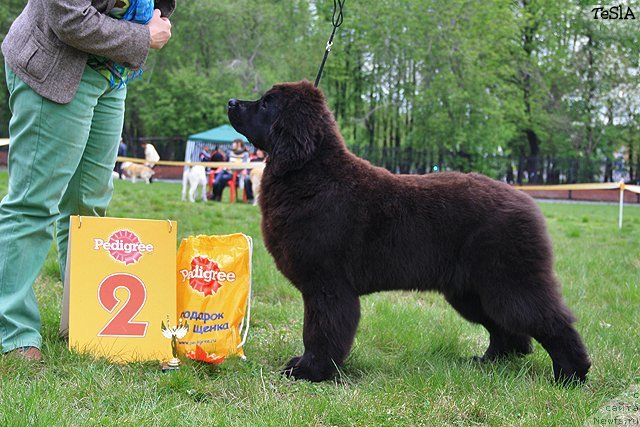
x: 80, y: 25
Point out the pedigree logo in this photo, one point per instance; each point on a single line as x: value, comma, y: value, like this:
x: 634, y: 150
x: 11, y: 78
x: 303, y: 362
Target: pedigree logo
x: 123, y: 246
x: 205, y: 275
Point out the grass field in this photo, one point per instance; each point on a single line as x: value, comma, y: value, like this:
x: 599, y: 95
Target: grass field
x: 410, y: 364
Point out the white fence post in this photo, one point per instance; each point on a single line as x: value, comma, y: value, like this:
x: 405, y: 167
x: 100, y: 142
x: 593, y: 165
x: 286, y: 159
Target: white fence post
x: 621, y: 203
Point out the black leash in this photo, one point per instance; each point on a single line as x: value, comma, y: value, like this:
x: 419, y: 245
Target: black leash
x: 336, y: 21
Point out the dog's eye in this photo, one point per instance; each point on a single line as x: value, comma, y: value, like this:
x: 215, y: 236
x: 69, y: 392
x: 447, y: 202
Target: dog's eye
x: 264, y: 102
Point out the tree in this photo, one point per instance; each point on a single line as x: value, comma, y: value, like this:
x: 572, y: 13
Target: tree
x: 411, y: 83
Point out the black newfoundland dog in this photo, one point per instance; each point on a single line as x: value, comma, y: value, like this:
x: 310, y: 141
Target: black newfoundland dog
x: 339, y: 228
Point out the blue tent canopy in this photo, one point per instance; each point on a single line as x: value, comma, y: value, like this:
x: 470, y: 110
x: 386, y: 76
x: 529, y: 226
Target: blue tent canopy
x: 224, y: 134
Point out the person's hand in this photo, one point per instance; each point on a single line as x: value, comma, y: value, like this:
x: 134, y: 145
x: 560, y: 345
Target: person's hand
x: 160, y: 30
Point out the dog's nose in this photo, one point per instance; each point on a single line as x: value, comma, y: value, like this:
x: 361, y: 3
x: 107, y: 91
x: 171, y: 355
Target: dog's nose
x: 233, y: 103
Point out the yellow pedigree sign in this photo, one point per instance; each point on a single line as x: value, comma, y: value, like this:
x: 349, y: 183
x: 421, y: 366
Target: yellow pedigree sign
x: 119, y: 287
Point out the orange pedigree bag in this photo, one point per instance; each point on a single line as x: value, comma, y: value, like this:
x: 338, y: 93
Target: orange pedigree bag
x: 214, y: 290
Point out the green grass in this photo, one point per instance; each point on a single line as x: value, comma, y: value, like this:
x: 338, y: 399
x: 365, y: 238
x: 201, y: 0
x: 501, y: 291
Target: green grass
x: 409, y: 365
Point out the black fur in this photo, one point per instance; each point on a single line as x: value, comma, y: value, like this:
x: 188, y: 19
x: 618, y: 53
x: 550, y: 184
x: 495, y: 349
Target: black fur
x: 339, y: 228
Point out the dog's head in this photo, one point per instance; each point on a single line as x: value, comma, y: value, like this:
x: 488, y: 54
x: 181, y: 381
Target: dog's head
x: 286, y: 123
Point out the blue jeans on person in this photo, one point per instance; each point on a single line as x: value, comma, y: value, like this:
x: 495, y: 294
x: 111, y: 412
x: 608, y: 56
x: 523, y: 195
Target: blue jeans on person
x: 221, y: 181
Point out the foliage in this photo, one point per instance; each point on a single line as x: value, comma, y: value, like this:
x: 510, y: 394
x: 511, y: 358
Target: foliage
x: 535, y: 78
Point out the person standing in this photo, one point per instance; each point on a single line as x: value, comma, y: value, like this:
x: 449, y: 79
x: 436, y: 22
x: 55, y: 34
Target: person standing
x: 68, y: 63
x: 151, y: 156
x: 122, y: 152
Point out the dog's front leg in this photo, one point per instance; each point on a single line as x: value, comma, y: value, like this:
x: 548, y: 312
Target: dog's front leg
x: 330, y: 321
x: 203, y: 193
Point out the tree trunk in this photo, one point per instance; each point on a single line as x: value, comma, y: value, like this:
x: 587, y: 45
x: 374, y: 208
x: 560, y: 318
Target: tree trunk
x: 534, y: 157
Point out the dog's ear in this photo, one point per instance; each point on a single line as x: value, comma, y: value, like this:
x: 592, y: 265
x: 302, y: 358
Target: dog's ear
x: 295, y: 131
x: 293, y: 145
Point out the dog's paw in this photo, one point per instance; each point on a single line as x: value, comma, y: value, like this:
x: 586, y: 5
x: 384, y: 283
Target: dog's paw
x: 571, y: 375
x: 301, y: 368
x: 478, y: 359
x: 290, y: 365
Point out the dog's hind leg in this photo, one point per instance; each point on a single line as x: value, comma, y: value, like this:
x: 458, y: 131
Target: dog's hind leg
x: 534, y: 306
x: 502, y: 343
x: 568, y: 353
x: 330, y: 322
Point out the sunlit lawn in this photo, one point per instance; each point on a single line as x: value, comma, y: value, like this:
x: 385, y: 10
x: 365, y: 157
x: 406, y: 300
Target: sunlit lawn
x: 410, y: 364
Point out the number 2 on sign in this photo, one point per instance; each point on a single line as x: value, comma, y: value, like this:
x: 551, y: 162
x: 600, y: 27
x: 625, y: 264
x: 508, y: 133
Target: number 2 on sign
x: 121, y: 325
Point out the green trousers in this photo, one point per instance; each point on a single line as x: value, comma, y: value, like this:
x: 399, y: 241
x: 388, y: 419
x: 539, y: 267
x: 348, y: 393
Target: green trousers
x: 60, y: 161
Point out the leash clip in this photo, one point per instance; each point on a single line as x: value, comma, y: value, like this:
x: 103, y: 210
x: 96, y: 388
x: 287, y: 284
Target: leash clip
x: 336, y: 21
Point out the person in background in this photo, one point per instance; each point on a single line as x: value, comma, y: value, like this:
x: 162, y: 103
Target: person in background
x: 216, y: 156
x: 205, y: 154
x: 257, y: 157
x: 122, y: 152
x: 67, y: 67
x: 151, y: 156
x: 237, y: 154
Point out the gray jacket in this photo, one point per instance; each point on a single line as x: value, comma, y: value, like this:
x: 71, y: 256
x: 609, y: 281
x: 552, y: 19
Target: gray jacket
x: 48, y: 45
